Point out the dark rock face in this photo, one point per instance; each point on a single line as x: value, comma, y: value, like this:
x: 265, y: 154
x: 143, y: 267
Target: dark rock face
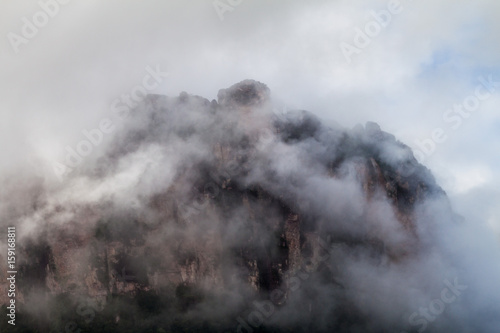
x: 245, y: 93
x: 230, y: 202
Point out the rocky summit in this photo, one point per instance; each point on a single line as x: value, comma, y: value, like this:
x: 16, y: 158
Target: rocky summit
x: 226, y: 216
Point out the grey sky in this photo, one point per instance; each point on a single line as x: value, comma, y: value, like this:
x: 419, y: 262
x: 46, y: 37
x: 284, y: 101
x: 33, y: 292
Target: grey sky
x: 425, y: 60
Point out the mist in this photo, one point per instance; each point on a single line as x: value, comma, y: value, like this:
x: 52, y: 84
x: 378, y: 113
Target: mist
x: 185, y: 182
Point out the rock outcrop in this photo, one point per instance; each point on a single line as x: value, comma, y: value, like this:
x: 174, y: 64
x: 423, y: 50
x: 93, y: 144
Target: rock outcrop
x: 227, y: 200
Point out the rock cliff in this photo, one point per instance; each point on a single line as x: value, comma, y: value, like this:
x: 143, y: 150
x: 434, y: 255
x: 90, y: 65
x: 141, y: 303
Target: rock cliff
x: 199, y: 208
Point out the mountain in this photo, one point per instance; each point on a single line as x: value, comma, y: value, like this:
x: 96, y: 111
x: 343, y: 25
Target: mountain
x: 211, y: 216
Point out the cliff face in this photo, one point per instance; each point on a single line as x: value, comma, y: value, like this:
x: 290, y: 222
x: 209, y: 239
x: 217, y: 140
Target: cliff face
x: 201, y: 204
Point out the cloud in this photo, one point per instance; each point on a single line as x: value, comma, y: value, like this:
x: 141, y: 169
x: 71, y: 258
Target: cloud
x: 428, y: 58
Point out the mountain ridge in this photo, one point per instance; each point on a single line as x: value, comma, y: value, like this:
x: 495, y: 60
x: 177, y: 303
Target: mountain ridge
x: 223, y: 202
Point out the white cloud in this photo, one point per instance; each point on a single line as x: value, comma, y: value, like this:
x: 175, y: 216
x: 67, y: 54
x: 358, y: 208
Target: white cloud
x: 65, y: 78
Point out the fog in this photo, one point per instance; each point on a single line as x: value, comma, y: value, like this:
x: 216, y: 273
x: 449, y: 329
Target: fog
x: 73, y: 76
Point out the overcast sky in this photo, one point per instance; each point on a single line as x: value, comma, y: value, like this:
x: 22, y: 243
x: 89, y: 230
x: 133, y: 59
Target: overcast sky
x: 328, y: 57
